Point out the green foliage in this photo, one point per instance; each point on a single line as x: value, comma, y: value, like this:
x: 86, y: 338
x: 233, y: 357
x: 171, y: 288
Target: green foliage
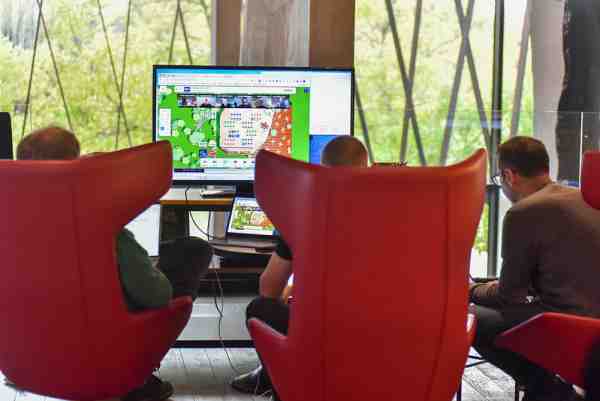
x: 82, y: 59
x: 383, y: 94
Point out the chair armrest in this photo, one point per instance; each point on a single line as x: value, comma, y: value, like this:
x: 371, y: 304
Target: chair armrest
x: 471, y: 327
x: 557, y: 342
x: 166, y: 323
x: 176, y: 306
x: 272, y: 346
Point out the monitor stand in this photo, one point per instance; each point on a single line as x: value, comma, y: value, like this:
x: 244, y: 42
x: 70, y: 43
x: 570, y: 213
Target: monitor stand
x: 245, y: 188
x: 218, y: 191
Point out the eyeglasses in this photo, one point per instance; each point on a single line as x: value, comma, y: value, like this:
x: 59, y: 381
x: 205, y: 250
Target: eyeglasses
x: 390, y: 164
x: 497, y: 179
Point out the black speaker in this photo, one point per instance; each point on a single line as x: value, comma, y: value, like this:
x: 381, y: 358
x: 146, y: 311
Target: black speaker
x: 6, y: 150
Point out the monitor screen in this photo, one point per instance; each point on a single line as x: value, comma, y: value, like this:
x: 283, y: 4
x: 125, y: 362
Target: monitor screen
x: 217, y: 118
x: 248, y: 218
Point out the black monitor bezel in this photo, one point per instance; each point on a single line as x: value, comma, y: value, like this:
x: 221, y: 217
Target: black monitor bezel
x: 6, y: 144
x: 187, y: 183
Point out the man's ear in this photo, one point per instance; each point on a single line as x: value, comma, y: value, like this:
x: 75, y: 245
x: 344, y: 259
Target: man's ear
x: 510, y: 176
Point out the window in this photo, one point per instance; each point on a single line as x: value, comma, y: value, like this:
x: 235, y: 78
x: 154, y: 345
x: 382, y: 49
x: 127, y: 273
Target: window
x: 439, y: 110
x: 137, y: 32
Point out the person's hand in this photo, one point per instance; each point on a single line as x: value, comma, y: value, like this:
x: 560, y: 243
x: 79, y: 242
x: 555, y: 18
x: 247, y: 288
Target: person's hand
x: 287, y: 292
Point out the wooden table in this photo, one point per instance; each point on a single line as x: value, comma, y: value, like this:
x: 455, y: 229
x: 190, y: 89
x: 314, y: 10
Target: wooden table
x: 240, y: 284
x: 175, y: 208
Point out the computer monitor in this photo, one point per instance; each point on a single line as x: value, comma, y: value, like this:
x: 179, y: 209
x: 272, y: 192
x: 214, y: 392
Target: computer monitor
x: 6, y: 150
x: 217, y: 118
x: 248, y: 219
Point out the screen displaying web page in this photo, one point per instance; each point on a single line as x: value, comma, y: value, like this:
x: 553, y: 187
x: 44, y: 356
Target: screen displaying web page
x: 218, y: 119
x: 248, y: 218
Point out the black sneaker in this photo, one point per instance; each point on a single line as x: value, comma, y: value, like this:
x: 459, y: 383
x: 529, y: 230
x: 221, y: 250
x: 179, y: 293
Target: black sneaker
x: 254, y: 382
x: 153, y: 390
x: 557, y: 391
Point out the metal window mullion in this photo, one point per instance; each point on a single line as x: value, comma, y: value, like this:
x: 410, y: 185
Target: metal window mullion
x: 29, y: 84
x: 496, y: 137
x: 122, y: 86
x: 53, y: 58
x: 411, y: 77
x: 363, y: 122
x: 185, y: 35
x: 172, y: 43
x: 114, y: 73
x: 483, y: 119
x: 405, y: 81
x: 457, y: 76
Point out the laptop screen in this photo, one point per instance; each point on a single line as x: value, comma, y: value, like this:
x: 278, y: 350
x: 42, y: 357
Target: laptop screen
x: 146, y: 229
x: 247, y: 218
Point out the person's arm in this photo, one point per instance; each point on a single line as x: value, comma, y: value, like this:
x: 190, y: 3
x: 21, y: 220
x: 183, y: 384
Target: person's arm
x: 144, y: 285
x: 518, y: 263
x: 275, y: 277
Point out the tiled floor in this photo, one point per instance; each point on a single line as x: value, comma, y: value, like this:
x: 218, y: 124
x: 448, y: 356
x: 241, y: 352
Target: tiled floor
x: 204, y: 374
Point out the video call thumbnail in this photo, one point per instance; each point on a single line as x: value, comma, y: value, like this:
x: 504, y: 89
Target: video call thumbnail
x: 238, y: 102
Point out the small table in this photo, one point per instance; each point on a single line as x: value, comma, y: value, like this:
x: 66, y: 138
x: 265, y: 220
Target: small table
x: 175, y: 208
x: 240, y: 284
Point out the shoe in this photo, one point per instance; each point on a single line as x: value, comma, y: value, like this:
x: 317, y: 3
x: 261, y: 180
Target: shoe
x: 254, y: 382
x: 558, y: 391
x: 12, y: 385
x: 153, y: 389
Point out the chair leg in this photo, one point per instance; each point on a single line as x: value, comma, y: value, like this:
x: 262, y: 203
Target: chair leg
x: 459, y: 391
x: 517, y: 390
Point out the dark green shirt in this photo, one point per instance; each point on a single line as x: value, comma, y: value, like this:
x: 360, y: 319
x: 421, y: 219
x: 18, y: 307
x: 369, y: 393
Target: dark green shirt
x: 143, y: 284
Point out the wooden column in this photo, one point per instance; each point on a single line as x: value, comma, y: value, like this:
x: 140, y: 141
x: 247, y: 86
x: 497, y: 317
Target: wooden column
x: 275, y: 33
x: 548, y: 70
x: 226, y: 29
x: 298, y: 33
x: 332, y: 33
x: 226, y: 19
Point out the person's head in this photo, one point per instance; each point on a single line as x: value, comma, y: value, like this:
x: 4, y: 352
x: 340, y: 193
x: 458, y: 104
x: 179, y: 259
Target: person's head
x: 345, y: 151
x: 523, y: 166
x: 50, y: 143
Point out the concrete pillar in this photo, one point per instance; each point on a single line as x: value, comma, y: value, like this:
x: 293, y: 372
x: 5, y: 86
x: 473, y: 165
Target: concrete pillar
x: 548, y: 71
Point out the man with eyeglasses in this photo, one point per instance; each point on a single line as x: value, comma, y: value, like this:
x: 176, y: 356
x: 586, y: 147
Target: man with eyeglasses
x: 550, y: 254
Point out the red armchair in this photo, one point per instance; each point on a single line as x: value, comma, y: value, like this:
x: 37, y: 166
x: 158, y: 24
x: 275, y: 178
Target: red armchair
x: 380, y: 278
x: 560, y: 342
x: 66, y: 331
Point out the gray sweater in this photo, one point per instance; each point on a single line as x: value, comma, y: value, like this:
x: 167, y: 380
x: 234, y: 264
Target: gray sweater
x: 550, y: 255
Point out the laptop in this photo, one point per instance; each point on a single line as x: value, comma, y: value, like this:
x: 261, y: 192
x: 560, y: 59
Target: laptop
x: 248, y: 226
x: 146, y: 229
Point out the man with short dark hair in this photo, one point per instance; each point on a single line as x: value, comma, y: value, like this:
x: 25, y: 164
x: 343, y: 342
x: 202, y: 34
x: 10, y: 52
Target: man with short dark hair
x: 182, y: 262
x: 50, y: 143
x: 345, y: 151
x: 550, y: 253
x: 269, y: 306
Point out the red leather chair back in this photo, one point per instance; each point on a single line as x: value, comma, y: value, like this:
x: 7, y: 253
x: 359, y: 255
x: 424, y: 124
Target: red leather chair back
x: 381, y: 258
x: 65, y: 327
x: 590, y: 179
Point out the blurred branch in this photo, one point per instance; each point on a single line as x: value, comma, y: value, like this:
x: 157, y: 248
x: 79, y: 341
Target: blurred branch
x: 206, y: 8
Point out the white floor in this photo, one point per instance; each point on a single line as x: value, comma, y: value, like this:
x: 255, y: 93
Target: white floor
x: 204, y: 374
